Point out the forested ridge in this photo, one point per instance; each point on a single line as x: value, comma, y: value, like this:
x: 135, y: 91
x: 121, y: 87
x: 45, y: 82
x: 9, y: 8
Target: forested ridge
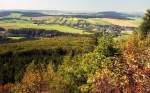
x: 76, y: 63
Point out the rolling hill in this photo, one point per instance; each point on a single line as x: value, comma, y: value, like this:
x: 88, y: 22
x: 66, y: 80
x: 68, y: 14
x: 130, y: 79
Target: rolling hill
x: 103, y: 14
x: 22, y: 13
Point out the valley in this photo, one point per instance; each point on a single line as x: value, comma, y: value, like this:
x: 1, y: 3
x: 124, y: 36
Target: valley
x: 52, y: 51
x: 69, y: 23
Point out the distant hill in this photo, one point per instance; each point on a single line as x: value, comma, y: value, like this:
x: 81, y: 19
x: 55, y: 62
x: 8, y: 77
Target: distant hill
x: 112, y: 14
x: 104, y: 14
x: 23, y: 13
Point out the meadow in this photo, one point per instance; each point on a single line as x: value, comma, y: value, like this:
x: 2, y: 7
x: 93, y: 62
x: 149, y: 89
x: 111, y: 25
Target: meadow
x: 46, y: 27
x: 65, y: 24
x: 132, y: 22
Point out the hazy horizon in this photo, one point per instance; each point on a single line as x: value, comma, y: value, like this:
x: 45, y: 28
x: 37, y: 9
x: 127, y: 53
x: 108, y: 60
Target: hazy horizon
x: 77, y: 5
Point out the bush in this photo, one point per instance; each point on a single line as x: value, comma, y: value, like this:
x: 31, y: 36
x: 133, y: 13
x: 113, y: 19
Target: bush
x: 41, y: 78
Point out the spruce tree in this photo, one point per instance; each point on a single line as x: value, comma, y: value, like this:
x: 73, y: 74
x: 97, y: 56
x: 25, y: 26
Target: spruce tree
x: 145, y: 26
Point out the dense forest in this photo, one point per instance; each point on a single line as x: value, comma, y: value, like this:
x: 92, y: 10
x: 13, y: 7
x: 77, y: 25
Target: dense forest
x: 67, y: 63
x: 33, y: 33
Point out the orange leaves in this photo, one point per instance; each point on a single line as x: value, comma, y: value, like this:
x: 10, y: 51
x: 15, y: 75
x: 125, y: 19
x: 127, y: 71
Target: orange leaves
x: 102, y: 83
x: 137, y: 59
x: 134, y: 72
x: 40, y: 78
x: 6, y: 88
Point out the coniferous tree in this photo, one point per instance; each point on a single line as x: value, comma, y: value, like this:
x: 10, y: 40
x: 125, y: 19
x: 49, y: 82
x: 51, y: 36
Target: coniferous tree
x: 145, y: 26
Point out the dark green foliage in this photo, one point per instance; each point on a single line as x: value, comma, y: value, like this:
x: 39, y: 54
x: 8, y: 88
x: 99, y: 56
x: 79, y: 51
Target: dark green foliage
x: 145, y: 26
x: 77, y: 70
x: 3, y: 40
x: 13, y: 65
x: 15, y: 57
x: 106, y: 46
x: 31, y: 33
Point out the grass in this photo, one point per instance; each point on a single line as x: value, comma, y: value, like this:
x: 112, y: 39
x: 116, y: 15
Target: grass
x: 43, y: 26
x: 95, y: 21
x: 122, y: 22
x: 16, y: 38
x: 16, y: 24
x: 137, y: 21
x: 7, y: 20
x: 19, y: 23
x: 69, y: 20
x: 81, y: 43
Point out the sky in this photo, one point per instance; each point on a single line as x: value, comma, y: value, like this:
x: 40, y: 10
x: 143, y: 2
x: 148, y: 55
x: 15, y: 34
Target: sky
x: 77, y: 5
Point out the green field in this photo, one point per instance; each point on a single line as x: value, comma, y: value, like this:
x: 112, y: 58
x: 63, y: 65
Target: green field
x: 63, y: 24
x: 66, y: 29
x: 16, y: 38
x: 20, y: 23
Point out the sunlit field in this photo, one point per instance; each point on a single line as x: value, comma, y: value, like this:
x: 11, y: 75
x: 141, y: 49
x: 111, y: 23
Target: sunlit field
x: 124, y: 22
x: 47, y: 27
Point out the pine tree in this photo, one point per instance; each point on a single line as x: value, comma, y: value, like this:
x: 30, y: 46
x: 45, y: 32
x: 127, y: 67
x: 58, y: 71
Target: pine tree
x: 145, y: 26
